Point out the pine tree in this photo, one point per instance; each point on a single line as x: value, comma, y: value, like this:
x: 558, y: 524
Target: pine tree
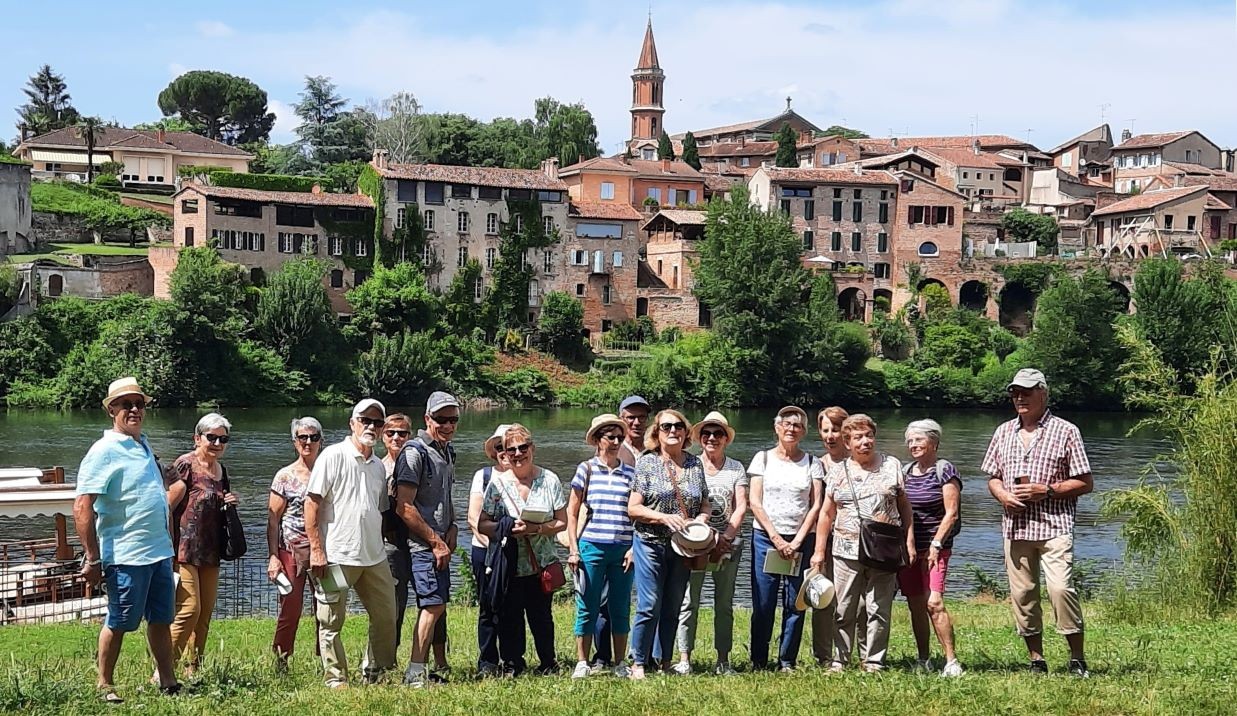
x: 691, y: 153
x: 787, y: 147
x: 49, y: 106
x: 665, y: 150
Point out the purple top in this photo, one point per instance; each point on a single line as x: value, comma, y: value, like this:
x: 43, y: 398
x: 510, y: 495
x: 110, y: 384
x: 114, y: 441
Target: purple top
x: 927, y: 498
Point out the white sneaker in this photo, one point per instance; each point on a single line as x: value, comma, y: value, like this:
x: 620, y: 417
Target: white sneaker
x: 621, y: 670
x: 683, y: 668
x: 724, y: 669
x: 636, y: 673
x: 952, y: 669
x: 597, y: 668
x: 581, y: 671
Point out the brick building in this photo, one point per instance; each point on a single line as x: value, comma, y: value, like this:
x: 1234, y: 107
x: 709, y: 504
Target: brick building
x: 640, y: 183
x: 647, y: 100
x: 601, y: 246
x: 666, y: 283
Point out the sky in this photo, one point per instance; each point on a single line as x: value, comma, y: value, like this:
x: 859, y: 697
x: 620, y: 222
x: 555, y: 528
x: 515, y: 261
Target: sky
x: 1041, y: 70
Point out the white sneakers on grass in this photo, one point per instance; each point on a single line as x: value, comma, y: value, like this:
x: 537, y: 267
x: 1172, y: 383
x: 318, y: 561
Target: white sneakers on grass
x: 581, y: 671
x: 952, y: 669
x: 683, y: 668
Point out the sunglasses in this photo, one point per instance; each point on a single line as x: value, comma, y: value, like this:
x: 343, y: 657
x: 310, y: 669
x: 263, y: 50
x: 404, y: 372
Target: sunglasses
x: 667, y: 427
x: 446, y: 421
x: 518, y: 449
x: 398, y: 433
x: 713, y: 434
x: 218, y: 439
x: 310, y: 438
x: 613, y: 437
x: 130, y: 404
x: 371, y: 422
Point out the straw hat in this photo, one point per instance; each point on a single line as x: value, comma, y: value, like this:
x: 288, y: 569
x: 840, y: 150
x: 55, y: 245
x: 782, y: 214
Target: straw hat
x: 816, y: 592
x: 605, y: 420
x: 492, y: 442
x: 693, y: 540
x: 122, y: 387
x: 713, y: 418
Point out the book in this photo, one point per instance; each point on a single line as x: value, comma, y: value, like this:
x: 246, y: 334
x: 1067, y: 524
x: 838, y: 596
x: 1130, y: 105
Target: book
x: 532, y: 515
x: 333, y: 579
x: 777, y: 564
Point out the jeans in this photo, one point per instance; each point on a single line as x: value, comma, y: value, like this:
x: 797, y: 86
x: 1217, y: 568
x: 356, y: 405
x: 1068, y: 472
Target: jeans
x: 765, y: 588
x: 603, y: 565
x: 661, y: 581
x: 487, y: 623
x: 524, y: 598
x: 723, y: 578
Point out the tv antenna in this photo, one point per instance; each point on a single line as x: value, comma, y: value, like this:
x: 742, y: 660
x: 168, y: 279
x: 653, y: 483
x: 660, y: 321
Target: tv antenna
x: 1104, y: 111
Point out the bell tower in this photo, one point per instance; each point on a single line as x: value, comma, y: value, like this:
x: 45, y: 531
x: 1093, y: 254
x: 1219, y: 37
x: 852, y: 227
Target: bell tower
x: 647, y: 107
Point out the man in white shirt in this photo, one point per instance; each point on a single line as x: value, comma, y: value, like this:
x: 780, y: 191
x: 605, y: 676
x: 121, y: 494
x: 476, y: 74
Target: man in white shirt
x: 343, y: 520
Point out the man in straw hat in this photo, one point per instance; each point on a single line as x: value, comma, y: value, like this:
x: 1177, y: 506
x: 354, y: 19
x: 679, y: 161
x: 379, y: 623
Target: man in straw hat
x: 121, y: 515
x: 1039, y: 468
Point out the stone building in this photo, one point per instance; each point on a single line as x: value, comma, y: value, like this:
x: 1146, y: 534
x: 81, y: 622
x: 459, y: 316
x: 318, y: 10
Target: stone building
x: 15, y: 209
x: 1087, y: 157
x: 1139, y: 159
x: 93, y: 277
x: 1181, y: 221
x: 601, y: 251
x: 666, y: 284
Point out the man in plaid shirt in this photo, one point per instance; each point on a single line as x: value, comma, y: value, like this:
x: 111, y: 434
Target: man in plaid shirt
x: 1038, y: 468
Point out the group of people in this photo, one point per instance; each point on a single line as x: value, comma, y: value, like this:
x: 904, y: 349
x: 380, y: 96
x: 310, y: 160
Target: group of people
x: 837, y: 535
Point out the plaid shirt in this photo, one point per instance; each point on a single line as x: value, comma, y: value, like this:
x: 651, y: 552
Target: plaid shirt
x: 1055, y: 453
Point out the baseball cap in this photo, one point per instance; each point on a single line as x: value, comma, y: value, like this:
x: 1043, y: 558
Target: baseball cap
x: 439, y: 400
x: 793, y: 410
x: 633, y: 400
x: 1028, y: 378
x: 366, y: 404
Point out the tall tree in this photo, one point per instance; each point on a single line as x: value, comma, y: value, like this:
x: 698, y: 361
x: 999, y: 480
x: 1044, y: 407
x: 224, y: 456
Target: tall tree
x: 395, y: 125
x: 1183, y: 318
x: 566, y: 131
x: 787, y: 146
x: 328, y: 133
x: 89, y: 129
x: 169, y: 124
x: 691, y: 153
x: 1023, y: 225
x: 665, y: 148
x: 294, y: 315
x: 227, y: 108
x: 1074, y: 342
x: 48, y: 106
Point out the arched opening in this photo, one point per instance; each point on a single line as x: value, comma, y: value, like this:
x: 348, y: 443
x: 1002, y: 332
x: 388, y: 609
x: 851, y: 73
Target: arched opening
x: 55, y: 284
x: 1017, y: 308
x: 882, y: 300
x: 929, y: 248
x: 852, y: 302
x: 931, y: 282
x: 1123, y: 293
x: 973, y: 296
x: 642, y: 307
x: 1012, y: 174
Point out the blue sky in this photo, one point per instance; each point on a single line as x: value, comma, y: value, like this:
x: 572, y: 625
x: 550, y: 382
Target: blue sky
x: 901, y: 66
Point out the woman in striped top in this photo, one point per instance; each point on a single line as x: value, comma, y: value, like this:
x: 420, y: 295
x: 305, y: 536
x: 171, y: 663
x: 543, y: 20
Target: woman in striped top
x: 601, y: 547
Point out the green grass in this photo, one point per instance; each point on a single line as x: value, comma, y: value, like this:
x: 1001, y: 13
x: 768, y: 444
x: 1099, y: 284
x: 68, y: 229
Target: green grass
x: 60, y: 251
x: 1182, y: 667
x: 152, y: 198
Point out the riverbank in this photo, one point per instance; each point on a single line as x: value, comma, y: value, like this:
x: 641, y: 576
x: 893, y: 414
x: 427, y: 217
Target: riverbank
x: 1181, y: 667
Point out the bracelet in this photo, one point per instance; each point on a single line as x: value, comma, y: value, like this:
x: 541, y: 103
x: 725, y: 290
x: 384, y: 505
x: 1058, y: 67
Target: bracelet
x: 94, y: 562
x: 936, y: 543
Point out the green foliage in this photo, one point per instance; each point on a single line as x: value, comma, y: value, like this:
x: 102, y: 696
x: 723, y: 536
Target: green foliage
x: 294, y: 313
x: 1034, y: 276
x: 561, y: 327
x: 328, y: 133
x: 950, y: 345
x: 892, y: 335
x: 342, y: 177
x: 169, y: 124
x: 100, y: 209
x: 220, y: 106
x: 264, y: 182
x: 89, y: 129
x: 1074, y: 343
x: 787, y: 146
x: 566, y: 131
x: 459, y: 303
x: 48, y: 105
x: 665, y: 148
x: 113, y: 168
x: 107, y: 181
x: 838, y: 130
x: 200, y: 171
x: 1022, y: 225
x: 523, y: 386
x: 392, y: 300
x: 506, y: 304
x: 1183, y: 318
x: 691, y: 153
x: 1002, y: 342
x: 935, y: 301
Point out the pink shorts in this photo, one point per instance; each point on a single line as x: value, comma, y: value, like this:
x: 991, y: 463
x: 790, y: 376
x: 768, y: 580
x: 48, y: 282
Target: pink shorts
x: 917, y: 580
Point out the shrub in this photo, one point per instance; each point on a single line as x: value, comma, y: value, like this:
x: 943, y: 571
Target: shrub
x: 265, y: 182
x: 523, y: 386
x: 107, y: 181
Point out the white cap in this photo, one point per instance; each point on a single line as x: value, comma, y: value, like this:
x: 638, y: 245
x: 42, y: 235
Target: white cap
x: 366, y: 404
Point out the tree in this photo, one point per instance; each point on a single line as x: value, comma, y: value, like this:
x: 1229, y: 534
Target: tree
x: 1022, y: 225
x: 950, y: 345
x: 561, y: 326
x: 459, y: 303
x: 665, y: 149
x: 395, y: 126
x: 48, y: 106
x: 224, y: 107
x: 169, y: 124
x: 1183, y: 318
x: 838, y: 130
x: 449, y: 137
x: 89, y: 129
x: 294, y: 314
x: 691, y: 153
x: 566, y: 131
x: 392, y: 300
x: 328, y: 134
x: 787, y: 146
x: 1074, y: 342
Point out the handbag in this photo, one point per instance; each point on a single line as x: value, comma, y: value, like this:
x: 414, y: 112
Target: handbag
x: 881, y: 545
x: 552, y: 575
x: 232, y: 545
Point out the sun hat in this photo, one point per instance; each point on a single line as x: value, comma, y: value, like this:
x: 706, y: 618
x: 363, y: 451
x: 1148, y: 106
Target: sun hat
x: 122, y: 387
x: 693, y: 540
x: 816, y: 592
x: 366, y: 404
x: 793, y: 410
x: 1028, y: 378
x: 633, y: 400
x: 713, y: 418
x: 439, y: 400
x: 605, y: 420
x: 490, y: 447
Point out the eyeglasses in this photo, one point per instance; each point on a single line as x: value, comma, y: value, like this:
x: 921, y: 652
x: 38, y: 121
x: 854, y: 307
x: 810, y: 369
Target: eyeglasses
x: 792, y: 426
x: 310, y: 438
x: 452, y: 420
x: 219, y: 439
x: 130, y: 404
x: 371, y: 422
x: 667, y: 427
x: 518, y: 449
x: 719, y: 434
x: 398, y: 433
x: 634, y: 418
x: 613, y: 437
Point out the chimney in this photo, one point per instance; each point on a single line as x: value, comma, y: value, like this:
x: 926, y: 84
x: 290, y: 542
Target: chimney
x: 580, y: 159
x: 665, y: 165
x: 550, y: 167
x: 804, y: 136
x: 893, y: 142
x: 975, y: 146
x: 742, y: 140
x: 380, y: 159
x: 161, y: 136
x: 1125, y: 136
x: 858, y: 169
x: 317, y: 189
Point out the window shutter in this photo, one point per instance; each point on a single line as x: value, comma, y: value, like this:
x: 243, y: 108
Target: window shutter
x: 950, y: 219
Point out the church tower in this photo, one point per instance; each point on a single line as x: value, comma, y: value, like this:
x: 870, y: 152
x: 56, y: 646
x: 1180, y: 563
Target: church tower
x: 647, y: 107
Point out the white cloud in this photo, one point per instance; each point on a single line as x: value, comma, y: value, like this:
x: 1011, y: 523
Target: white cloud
x: 213, y: 28
x: 917, y: 66
x: 286, y: 122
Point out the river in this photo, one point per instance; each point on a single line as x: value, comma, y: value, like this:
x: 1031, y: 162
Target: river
x: 261, y: 444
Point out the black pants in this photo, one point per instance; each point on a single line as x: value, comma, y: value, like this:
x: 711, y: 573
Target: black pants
x: 487, y: 625
x: 524, y: 598
x: 602, y: 645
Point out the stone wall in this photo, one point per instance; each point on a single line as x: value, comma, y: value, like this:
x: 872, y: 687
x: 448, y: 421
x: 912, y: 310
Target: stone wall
x: 163, y: 261
x: 96, y: 278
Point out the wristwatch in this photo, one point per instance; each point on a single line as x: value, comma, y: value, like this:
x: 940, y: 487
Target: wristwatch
x: 1051, y: 493
x: 936, y: 543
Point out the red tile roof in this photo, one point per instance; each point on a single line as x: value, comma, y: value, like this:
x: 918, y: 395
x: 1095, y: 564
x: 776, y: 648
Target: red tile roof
x: 600, y: 164
x: 603, y: 210
x: 986, y: 141
x: 739, y: 149
x: 1149, y: 200
x: 968, y: 158
x: 478, y: 176
x: 137, y: 139
x: 1101, y: 133
x: 1214, y: 204
x: 677, y: 168
x: 648, y: 51
x: 720, y: 182
x: 1147, y: 141
x: 1225, y: 182
x: 770, y: 123
x: 303, y: 198
x: 822, y: 175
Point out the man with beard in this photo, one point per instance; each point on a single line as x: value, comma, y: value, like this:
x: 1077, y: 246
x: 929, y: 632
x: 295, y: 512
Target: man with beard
x: 343, y: 520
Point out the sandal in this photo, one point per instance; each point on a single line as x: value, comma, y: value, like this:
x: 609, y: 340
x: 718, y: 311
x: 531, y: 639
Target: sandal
x: 109, y: 696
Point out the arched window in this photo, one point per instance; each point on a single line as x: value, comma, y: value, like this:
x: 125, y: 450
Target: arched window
x: 337, y: 278
x: 929, y: 248
x: 55, y: 284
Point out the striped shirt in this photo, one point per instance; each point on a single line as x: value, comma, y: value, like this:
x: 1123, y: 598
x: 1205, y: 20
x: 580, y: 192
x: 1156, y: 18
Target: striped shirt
x: 926, y: 493
x: 607, y: 494
x: 1054, y: 454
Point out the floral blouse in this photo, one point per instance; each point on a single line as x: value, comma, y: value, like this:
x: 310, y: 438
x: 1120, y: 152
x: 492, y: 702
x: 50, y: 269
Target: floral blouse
x: 655, y: 481
x: 546, y: 494
x: 292, y: 489
x: 198, y: 519
x: 877, y: 493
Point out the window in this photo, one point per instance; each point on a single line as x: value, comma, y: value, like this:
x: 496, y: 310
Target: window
x: 490, y: 193
x: 552, y: 197
x: 547, y: 261
x: 240, y: 240
x: 489, y: 257
x: 239, y: 208
x: 287, y: 215
x: 461, y: 221
x: 856, y: 242
x: 257, y: 242
x: 647, y: 154
x: 360, y: 247
x: 884, y: 194
x: 491, y: 223
x: 675, y: 283
x: 1190, y: 222
x: 659, y: 267
x: 547, y: 223
x: 599, y: 231
x: 745, y: 162
x: 966, y: 175
x: 837, y: 209
x: 882, y: 212
x: 1168, y: 222
x: 928, y: 248
x: 1189, y: 155
x: 880, y: 270
x: 400, y: 217
x: 348, y: 213
x: 837, y: 193
x: 809, y: 209
x: 809, y: 242
x: 607, y: 190
x: 188, y: 236
x: 579, y: 289
x: 785, y: 205
x: 992, y: 177
x: 285, y: 243
x: 461, y: 256
x: 1067, y: 160
x: 882, y: 242
x: 406, y: 191
x: 835, y: 241
x: 519, y: 222
x: 915, y: 215
x: 428, y: 256
x: 856, y: 210
x: 579, y: 258
x: 335, y: 246
x: 461, y: 191
x: 189, y: 206
x: 359, y: 277
x: 655, y: 194
x: 616, y: 259
x: 427, y: 219
x: 605, y: 294
x: 337, y: 278
x: 672, y: 196
x: 478, y: 289
x: 433, y: 192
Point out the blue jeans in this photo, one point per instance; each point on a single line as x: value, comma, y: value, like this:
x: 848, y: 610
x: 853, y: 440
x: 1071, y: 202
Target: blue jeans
x: 603, y: 567
x: 661, y: 581
x: 765, y: 588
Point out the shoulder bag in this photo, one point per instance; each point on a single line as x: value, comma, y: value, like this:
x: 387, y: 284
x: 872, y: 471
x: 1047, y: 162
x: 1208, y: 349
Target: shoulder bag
x: 699, y: 562
x: 552, y: 575
x: 583, y: 515
x: 232, y: 545
x: 881, y: 545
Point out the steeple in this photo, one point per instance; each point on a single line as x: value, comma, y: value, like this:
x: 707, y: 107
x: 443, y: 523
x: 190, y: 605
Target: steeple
x: 647, y: 106
x: 648, y: 53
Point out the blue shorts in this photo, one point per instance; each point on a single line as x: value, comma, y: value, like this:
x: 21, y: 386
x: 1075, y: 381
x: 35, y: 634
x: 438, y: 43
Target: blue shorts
x: 432, y: 586
x: 139, y: 590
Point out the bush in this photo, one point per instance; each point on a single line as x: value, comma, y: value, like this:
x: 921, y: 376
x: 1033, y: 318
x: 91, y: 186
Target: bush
x: 107, y: 181
x: 523, y: 386
x: 265, y: 182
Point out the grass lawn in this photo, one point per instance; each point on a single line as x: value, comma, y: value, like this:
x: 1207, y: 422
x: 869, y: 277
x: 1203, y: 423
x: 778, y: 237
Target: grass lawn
x: 59, y: 251
x: 1184, y: 667
x: 152, y: 198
